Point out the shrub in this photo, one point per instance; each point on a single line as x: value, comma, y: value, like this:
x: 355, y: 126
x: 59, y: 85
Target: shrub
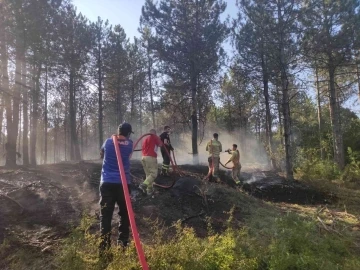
x: 352, y: 170
x: 282, y: 243
x: 311, y: 167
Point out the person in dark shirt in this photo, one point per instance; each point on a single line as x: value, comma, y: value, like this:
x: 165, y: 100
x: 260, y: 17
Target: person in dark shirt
x: 165, y: 138
x: 111, y: 189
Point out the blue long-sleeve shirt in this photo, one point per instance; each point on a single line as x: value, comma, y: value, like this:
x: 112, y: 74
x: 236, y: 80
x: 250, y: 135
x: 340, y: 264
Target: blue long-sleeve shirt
x: 110, y: 170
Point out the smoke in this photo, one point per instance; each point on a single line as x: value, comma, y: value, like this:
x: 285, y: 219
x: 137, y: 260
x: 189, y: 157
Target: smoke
x: 252, y: 152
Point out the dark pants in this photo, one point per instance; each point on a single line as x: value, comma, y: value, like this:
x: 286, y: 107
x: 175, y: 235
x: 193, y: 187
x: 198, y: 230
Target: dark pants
x: 109, y: 195
x: 166, y: 159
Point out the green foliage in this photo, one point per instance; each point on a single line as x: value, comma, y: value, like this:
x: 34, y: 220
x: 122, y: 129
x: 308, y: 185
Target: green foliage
x: 352, y: 170
x: 270, y: 242
x: 310, y: 166
x: 299, y: 245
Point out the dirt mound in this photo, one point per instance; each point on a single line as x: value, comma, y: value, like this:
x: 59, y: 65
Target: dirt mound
x: 41, y: 200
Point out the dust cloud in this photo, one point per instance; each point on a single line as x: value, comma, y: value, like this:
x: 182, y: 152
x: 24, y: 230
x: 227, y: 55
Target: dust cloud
x: 252, y: 152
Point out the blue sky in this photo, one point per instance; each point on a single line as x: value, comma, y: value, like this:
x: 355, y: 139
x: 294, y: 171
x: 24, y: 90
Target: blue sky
x: 125, y: 12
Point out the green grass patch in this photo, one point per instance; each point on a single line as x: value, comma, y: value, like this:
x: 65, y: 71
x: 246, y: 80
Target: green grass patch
x: 264, y: 242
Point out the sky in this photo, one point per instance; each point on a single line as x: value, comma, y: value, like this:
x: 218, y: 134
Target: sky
x: 125, y: 12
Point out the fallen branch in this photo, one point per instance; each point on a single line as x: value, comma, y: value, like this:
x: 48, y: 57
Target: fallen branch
x: 198, y: 215
x: 327, y: 228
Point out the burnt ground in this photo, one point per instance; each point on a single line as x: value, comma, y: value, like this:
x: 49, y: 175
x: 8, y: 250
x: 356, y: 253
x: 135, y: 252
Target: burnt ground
x: 40, y: 206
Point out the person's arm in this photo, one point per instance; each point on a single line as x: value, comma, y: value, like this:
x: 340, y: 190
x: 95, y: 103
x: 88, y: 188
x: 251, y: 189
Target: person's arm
x: 102, y: 151
x: 207, y: 147
x: 231, y: 158
x: 158, y: 141
x: 220, y: 147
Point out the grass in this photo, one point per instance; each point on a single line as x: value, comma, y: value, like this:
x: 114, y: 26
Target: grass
x: 265, y: 241
x: 269, y: 236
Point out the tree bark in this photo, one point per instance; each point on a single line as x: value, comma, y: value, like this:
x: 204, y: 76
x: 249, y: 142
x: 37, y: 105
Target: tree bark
x: 194, y: 122
x: 279, y: 115
x: 319, y: 112
x: 150, y: 86
x: 74, y: 144
x: 268, y: 120
x: 119, y: 100
x: 339, y: 157
x: 46, y: 116
x: 25, y: 145
x: 286, y: 100
x: 358, y: 77
x: 9, y: 147
x: 13, y: 130
x: 2, y: 104
x: 34, y: 114
x: 101, y: 116
x: 141, y: 108
x: 132, y: 98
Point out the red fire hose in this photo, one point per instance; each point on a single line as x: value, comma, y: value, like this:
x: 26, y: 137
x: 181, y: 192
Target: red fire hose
x: 134, y: 230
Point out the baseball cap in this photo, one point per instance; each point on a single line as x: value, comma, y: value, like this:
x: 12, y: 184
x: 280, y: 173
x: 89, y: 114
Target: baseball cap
x: 125, y: 128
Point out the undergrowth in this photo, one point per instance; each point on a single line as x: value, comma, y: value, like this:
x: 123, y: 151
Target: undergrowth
x: 266, y: 242
x: 311, y: 167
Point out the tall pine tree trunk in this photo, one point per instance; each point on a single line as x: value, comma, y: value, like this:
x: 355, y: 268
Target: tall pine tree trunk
x: 150, y: 87
x: 46, y: 116
x: 268, y: 120
x: 286, y: 99
x: 132, y: 99
x: 335, y: 122
x: 2, y: 104
x: 141, y: 109
x: 319, y: 112
x: 34, y: 114
x: 74, y: 143
x: 10, y: 144
x: 101, y: 116
x: 279, y: 115
x: 12, y: 127
x: 358, y: 77
x: 6, y: 97
x: 25, y: 91
x: 194, y: 122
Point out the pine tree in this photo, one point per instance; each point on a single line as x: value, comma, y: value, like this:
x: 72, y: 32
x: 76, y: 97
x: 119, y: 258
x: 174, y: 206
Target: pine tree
x: 187, y: 37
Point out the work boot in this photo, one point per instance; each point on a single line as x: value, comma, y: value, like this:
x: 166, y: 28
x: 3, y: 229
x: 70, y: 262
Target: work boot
x: 216, y: 178
x: 164, y: 173
x: 122, y: 244
x: 143, y: 187
x: 150, y: 192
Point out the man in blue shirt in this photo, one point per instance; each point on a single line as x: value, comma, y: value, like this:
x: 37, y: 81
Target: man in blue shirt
x: 111, y: 189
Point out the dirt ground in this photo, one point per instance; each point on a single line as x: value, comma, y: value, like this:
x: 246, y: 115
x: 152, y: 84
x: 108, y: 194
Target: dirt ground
x: 40, y: 206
